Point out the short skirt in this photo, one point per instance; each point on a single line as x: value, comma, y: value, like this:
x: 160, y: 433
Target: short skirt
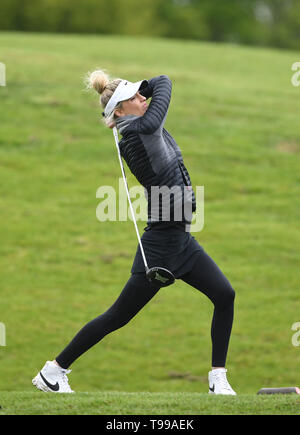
x: 171, y: 248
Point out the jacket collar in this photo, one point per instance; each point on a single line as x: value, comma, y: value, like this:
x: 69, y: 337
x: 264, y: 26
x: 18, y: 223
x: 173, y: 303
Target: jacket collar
x: 123, y: 122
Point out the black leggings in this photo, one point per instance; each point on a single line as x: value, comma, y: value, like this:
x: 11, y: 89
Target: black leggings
x: 138, y: 291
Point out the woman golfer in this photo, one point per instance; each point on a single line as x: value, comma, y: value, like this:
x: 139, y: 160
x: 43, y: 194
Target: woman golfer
x: 155, y: 159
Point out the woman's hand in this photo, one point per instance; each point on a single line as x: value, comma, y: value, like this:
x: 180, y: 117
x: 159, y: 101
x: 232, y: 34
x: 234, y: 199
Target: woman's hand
x: 111, y: 124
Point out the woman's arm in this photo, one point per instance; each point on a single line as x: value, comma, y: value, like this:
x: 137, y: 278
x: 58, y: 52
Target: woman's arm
x: 159, y: 88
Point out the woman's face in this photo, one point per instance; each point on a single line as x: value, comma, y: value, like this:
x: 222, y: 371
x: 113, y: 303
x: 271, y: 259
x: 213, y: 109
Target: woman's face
x: 136, y: 105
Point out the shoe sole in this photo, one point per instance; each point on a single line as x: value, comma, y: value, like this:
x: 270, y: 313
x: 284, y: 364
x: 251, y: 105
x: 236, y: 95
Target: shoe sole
x: 221, y: 394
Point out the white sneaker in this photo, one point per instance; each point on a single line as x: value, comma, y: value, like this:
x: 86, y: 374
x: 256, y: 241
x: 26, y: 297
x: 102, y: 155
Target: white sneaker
x: 218, y: 383
x: 52, y: 379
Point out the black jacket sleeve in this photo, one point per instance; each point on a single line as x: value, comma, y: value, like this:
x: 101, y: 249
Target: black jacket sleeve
x: 160, y: 89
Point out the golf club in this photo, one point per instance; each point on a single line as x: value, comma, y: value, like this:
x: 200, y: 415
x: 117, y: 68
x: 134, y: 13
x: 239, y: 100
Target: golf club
x: 156, y: 274
x: 288, y: 390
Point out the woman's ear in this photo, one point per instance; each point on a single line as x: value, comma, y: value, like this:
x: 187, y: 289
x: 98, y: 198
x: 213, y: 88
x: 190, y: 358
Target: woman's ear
x: 119, y: 112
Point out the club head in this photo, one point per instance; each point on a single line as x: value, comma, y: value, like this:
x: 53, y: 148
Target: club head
x: 160, y: 276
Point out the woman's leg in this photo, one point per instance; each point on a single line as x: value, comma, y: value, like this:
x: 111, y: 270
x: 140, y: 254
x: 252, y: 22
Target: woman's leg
x: 135, y: 295
x: 208, y: 278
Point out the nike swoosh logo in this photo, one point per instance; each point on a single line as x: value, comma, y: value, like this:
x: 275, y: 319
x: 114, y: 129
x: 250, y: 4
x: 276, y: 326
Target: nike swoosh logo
x: 212, y: 389
x: 51, y: 386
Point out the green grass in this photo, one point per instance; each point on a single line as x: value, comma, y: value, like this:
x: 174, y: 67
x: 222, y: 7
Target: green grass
x: 120, y: 403
x: 235, y: 116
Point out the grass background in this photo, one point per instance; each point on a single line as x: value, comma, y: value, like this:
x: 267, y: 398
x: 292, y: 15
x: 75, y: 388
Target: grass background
x: 145, y: 403
x: 235, y: 116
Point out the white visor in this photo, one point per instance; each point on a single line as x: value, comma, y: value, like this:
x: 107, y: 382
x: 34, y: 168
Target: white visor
x: 124, y: 91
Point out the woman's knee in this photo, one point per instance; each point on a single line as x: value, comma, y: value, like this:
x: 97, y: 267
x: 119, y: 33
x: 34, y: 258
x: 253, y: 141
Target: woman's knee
x: 230, y: 294
x: 225, y: 296
x: 112, y: 320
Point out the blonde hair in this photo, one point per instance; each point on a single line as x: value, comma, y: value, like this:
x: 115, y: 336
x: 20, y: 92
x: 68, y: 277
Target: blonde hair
x: 105, y: 86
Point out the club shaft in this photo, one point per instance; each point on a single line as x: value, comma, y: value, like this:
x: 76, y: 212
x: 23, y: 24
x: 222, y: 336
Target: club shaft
x: 115, y: 132
x: 288, y: 390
